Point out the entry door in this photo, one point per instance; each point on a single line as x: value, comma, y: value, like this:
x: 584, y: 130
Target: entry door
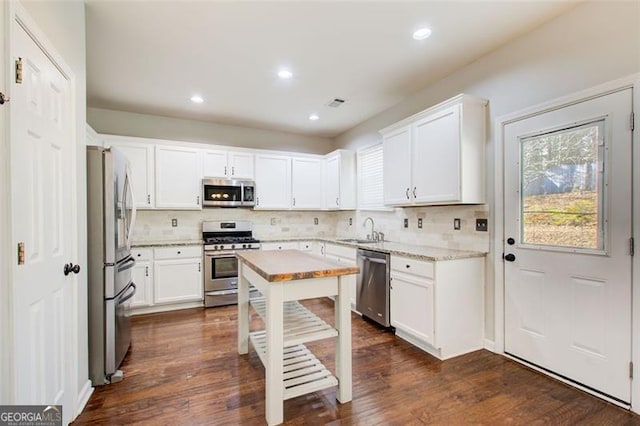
x: 567, y: 230
x: 41, y: 163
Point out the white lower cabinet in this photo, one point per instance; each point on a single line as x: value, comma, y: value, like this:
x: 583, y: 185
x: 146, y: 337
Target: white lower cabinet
x: 283, y: 245
x: 167, y: 278
x: 438, y: 306
x: 177, y: 274
x: 347, y: 256
x: 142, y: 277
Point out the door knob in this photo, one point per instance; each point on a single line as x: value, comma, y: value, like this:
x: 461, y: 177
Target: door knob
x: 510, y: 257
x: 70, y: 267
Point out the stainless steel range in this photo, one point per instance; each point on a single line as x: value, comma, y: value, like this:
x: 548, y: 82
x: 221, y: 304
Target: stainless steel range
x: 221, y: 241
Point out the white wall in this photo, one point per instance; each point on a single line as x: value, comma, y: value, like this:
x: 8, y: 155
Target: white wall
x: 594, y: 43
x: 153, y: 126
x: 63, y: 23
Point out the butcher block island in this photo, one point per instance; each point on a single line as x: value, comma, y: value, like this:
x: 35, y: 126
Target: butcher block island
x: 284, y: 277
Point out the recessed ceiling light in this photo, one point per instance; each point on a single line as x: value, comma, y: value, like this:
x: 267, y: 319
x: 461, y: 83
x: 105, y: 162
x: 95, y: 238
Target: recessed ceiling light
x: 285, y: 74
x: 314, y: 117
x: 197, y: 99
x: 421, y: 33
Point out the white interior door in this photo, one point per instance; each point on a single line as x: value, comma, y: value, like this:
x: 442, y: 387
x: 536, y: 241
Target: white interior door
x: 42, y: 163
x: 567, y: 230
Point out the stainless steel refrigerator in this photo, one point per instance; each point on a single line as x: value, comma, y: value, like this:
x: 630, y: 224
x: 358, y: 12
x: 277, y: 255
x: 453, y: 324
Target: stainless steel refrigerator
x: 111, y: 216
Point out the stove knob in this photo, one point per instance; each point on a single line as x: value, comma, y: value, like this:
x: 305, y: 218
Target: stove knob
x: 244, y: 246
x: 233, y: 246
x: 215, y: 247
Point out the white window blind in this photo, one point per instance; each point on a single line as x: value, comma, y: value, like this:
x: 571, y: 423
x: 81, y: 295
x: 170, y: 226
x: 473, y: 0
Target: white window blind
x: 370, y: 195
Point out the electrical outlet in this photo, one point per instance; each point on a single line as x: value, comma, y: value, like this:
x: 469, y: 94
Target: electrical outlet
x: 273, y: 221
x: 406, y: 222
x: 456, y: 223
x: 419, y: 223
x: 315, y: 220
x: 174, y: 222
x: 482, y: 225
x: 350, y: 221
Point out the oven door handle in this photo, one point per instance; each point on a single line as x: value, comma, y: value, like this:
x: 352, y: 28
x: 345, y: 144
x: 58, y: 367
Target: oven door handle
x: 220, y: 255
x: 221, y: 292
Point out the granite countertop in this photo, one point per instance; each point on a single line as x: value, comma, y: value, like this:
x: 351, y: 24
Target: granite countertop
x: 415, y: 251
x: 288, y: 265
x: 175, y: 243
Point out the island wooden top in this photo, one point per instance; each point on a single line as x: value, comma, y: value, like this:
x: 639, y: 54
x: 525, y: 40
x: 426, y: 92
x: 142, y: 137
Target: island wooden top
x: 288, y: 265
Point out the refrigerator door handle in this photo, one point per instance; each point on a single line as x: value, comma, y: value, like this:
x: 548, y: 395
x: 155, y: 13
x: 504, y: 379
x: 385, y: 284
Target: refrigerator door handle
x: 130, y: 295
x: 128, y: 263
x: 132, y: 221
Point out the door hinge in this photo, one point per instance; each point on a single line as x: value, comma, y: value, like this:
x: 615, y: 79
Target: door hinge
x: 632, y: 121
x: 20, y: 253
x: 631, y: 370
x: 632, y: 246
x: 19, y: 71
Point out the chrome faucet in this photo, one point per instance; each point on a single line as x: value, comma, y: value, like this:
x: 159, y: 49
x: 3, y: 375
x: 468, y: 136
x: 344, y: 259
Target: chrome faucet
x: 373, y: 234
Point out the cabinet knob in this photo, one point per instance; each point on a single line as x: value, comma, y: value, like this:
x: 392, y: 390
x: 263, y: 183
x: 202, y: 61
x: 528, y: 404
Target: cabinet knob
x: 233, y: 170
x: 407, y: 193
x: 179, y: 252
x: 149, y: 199
x: 414, y: 192
x: 294, y: 201
x: 337, y: 201
x: 225, y: 170
x: 408, y: 266
x: 146, y: 271
x: 198, y: 200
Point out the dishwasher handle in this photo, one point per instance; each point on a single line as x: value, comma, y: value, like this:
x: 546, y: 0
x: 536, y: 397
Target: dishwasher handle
x: 374, y: 260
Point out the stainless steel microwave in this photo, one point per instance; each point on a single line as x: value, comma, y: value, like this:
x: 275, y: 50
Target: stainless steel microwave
x: 228, y: 193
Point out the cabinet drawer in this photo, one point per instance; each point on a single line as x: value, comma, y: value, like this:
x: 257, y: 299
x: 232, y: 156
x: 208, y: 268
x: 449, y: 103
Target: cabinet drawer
x: 340, y: 251
x: 285, y: 245
x: 305, y: 246
x: 178, y: 252
x: 412, y: 266
x: 142, y: 253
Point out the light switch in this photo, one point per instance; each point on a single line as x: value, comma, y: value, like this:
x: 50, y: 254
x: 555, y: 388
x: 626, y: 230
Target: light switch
x: 456, y: 223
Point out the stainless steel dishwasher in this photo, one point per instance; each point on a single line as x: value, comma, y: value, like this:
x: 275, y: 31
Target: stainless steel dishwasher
x: 372, y: 297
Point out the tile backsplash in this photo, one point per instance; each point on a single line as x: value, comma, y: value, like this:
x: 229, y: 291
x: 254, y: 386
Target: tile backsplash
x: 437, y: 224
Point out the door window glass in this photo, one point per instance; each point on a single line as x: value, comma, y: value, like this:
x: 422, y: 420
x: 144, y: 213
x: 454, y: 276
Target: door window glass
x: 562, y: 187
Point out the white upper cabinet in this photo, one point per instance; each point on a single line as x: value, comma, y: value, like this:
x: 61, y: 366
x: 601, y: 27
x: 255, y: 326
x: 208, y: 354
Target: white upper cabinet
x: 228, y: 164
x: 397, y: 166
x: 178, y: 177
x: 273, y: 182
x: 306, y: 183
x: 340, y: 180
x: 241, y: 164
x: 141, y: 163
x: 437, y: 155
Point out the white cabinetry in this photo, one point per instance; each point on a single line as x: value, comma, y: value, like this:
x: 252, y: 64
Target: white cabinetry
x: 340, y: 180
x: 228, y: 164
x: 438, y: 306
x: 282, y: 245
x: 177, y: 274
x: 142, y: 165
x: 437, y: 155
x: 306, y: 183
x: 347, y: 256
x: 178, y: 178
x: 142, y: 277
x: 273, y: 182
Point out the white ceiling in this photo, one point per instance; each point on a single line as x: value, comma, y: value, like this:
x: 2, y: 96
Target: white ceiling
x: 151, y: 56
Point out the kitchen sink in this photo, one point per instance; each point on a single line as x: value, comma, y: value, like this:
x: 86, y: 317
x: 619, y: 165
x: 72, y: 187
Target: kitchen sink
x: 357, y: 241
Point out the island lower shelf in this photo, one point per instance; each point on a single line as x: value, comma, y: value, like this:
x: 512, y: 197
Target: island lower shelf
x: 303, y: 372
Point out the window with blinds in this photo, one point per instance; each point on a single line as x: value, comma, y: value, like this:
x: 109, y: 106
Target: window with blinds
x: 370, y: 195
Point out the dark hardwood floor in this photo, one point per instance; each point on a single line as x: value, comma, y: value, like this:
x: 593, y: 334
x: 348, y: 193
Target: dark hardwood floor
x: 183, y: 368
